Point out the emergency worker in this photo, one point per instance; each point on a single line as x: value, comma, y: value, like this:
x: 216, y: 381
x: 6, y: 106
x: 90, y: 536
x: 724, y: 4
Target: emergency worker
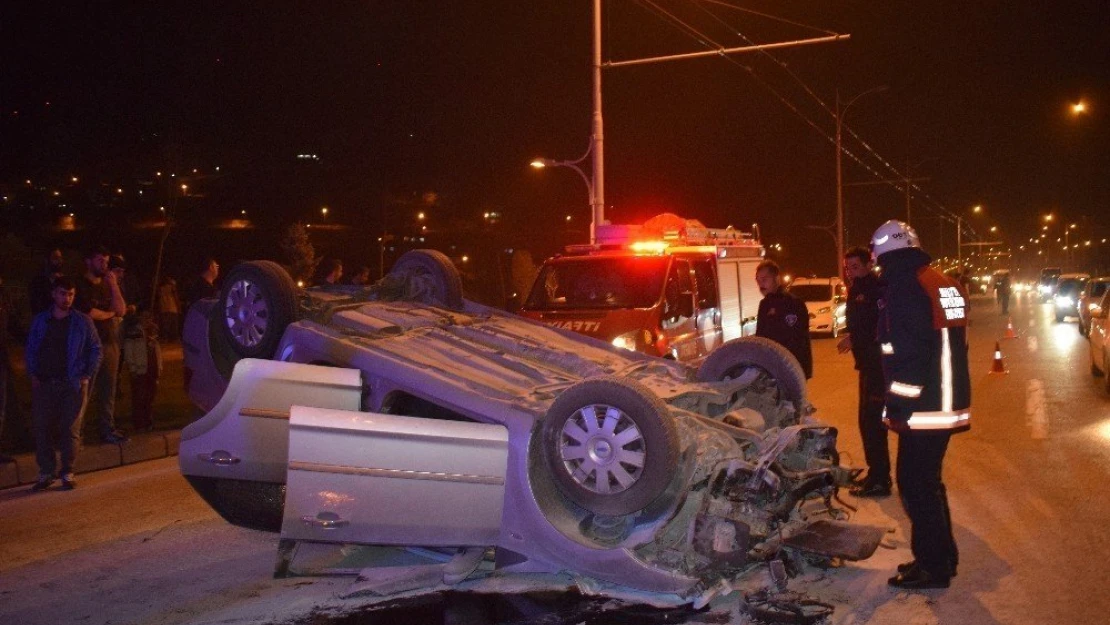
x: 1002, y: 291
x: 782, y: 317
x: 862, y: 309
x: 923, y: 340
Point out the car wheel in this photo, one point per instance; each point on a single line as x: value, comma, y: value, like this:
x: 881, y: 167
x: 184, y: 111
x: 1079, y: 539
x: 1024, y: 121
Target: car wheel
x: 257, y: 302
x: 434, y: 277
x: 734, y: 358
x: 610, y: 445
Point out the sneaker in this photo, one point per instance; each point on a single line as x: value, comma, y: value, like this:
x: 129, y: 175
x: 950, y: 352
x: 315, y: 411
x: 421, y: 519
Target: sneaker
x: 114, y: 437
x: 43, y: 484
x: 68, y: 483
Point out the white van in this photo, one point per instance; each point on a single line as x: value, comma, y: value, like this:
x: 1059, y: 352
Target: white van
x: 824, y: 298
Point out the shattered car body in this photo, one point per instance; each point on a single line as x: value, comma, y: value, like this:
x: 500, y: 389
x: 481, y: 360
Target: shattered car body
x: 401, y: 414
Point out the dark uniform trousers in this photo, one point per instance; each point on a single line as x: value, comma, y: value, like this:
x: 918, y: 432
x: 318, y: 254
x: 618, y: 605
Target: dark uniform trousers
x: 920, y: 459
x: 872, y: 394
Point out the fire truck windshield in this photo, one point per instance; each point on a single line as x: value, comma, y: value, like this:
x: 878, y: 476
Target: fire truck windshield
x: 599, y: 282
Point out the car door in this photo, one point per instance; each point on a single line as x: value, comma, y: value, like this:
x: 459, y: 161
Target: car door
x: 679, y: 321
x: 358, y: 477
x: 707, y: 304
x: 1099, y: 333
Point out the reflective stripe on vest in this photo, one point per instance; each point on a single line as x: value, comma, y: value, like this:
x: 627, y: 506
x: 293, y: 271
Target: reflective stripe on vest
x: 945, y: 371
x: 936, y: 420
x: 905, y: 390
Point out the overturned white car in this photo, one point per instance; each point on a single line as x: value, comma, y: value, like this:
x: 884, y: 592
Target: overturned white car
x: 402, y: 414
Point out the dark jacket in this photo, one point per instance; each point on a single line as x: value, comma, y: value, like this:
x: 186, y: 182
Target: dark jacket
x: 82, y: 345
x: 923, y: 340
x: 784, y: 319
x: 862, y: 310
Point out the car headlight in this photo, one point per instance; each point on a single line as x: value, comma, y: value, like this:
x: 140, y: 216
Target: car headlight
x: 1043, y: 288
x: 1064, y: 302
x: 823, y: 310
x: 626, y: 341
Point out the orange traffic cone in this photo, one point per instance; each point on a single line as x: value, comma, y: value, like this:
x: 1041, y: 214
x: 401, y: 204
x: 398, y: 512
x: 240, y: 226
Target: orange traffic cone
x: 998, y: 366
x: 1010, y: 334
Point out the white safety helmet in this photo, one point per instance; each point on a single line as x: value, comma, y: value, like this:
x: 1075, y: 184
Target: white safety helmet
x: 893, y: 235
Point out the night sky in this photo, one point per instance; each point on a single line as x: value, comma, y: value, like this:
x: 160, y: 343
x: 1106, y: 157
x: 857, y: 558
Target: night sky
x: 456, y: 97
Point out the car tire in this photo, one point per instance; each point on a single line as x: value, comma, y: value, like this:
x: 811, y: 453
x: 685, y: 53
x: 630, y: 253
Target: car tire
x: 734, y: 357
x: 438, y: 279
x: 257, y: 302
x: 595, y: 434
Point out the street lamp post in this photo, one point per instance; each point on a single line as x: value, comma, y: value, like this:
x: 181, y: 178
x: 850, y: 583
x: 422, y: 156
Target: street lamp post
x: 591, y: 189
x: 839, y: 172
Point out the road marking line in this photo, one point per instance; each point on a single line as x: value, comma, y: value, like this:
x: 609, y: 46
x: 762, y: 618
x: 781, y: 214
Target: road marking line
x: 1035, y: 409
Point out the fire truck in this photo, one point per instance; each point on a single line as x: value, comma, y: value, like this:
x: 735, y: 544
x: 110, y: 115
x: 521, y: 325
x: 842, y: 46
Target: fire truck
x: 670, y: 287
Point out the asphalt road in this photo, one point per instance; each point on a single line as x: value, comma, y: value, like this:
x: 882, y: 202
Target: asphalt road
x: 1027, y: 487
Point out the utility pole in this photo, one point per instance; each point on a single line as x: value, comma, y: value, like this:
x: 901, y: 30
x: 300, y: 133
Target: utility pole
x: 839, y: 174
x: 597, y: 187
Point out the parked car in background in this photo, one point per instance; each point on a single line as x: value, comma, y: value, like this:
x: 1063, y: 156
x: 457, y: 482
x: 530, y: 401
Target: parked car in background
x: 1069, y: 289
x: 1092, y: 295
x: 824, y: 298
x: 1100, y: 339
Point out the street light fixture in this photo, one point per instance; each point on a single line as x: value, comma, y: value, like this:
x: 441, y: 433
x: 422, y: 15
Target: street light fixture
x: 597, y: 211
x: 840, y: 112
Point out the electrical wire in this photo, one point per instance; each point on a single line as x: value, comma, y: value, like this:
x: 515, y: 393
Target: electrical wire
x: 923, y: 198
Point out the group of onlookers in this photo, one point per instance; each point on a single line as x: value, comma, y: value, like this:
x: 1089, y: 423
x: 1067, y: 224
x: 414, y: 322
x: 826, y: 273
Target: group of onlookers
x: 85, y: 331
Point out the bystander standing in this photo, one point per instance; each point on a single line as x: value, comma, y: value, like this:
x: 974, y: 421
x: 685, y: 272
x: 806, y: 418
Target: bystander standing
x: 62, y: 355
x: 99, y: 296
x: 782, y: 317
x: 5, y: 368
x: 362, y: 276
x: 864, y: 293
x: 203, y: 284
x: 143, y: 357
x: 169, y: 309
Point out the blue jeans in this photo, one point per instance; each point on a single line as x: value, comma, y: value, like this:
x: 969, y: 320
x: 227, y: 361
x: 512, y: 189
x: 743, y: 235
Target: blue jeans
x: 55, y: 408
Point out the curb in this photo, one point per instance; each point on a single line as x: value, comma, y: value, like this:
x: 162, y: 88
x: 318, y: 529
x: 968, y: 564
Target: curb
x: 139, y: 448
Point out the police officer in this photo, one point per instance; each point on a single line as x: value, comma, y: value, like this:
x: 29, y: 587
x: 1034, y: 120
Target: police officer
x: 864, y: 292
x: 782, y: 317
x: 923, y: 340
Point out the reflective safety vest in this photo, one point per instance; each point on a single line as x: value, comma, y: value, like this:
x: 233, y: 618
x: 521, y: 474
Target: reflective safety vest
x: 923, y: 340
